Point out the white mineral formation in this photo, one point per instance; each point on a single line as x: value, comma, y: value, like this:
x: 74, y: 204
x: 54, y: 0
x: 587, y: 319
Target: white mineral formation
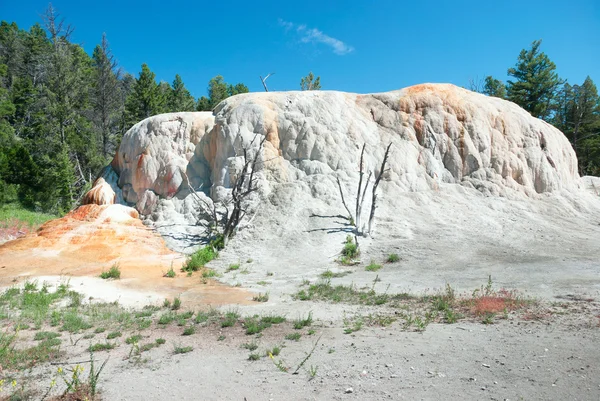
x: 440, y: 134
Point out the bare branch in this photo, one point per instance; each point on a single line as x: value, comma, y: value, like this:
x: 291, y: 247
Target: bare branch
x: 374, y: 199
x: 344, y: 201
x: 358, y: 205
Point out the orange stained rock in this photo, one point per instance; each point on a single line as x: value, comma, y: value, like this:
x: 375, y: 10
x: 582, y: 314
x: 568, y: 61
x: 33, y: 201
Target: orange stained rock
x: 91, y: 239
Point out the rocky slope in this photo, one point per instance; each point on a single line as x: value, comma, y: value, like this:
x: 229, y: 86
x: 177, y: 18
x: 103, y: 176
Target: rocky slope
x: 440, y: 135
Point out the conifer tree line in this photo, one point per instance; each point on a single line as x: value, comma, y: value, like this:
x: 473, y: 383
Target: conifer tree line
x: 573, y: 109
x: 63, y: 113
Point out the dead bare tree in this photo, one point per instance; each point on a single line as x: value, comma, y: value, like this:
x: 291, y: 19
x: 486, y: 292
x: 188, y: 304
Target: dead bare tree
x: 264, y: 80
x: 361, y: 192
x: 226, y: 215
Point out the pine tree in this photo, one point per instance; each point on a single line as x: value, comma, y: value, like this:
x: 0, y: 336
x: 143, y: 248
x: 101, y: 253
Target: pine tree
x: 219, y: 90
x: 536, y: 82
x: 310, y: 83
x: 145, y: 99
x: 106, y: 97
x: 180, y: 98
x: 494, y: 87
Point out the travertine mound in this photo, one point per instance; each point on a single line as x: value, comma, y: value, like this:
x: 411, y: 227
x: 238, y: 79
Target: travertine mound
x: 440, y: 134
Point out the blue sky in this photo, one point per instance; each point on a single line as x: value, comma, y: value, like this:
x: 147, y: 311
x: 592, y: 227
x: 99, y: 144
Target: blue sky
x: 354, y: 45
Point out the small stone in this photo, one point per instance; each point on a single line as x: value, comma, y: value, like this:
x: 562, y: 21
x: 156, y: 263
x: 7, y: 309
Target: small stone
x: 349, y: 390
x: 389, y: 365
x: 485, y: 365
x: 393, y: 376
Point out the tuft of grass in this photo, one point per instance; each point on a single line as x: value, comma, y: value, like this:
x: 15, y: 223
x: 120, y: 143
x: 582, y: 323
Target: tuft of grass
x: 45, y: 335
x: 261, y: 297
x: 182, y: 350
x: 275, y: 351
x: 293, y: 336
x: 99, y: 330
x: 188, y: 331
x: 200, y: 258
x: 349, y: 252
x: 250, y: 346
x: 221, y: 338
x: 176, y: 303
x: 324, y: 291
x: 113, y: 335
x: 113, y: 273
x: 207, y: 316
x: 273, y: 319
x: 303, y: 322
x: 393, y: 258
x: 209, y: 273
x: 230, y: 319
x: 373, y: 267
x: 133, y: 339
x: 160, y: 341
x: 170, y: 273
x: 232, y: 267
x: 101, y: 347
x: 12, y: 357
x: 254, y: 325
x: 254, y: 357
x: 328, y: 274
x: 167, y: 318
x: 73, y: 322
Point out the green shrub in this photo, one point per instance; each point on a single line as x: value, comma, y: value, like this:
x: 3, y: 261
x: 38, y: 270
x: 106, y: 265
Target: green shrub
x: 200, y: 258
x: 114, y: 272
x: 393, y: 258
x: 373, y: 267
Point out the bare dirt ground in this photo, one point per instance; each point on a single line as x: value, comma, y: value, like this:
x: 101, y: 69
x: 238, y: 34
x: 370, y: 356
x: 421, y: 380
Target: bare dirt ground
x: 547, y: 250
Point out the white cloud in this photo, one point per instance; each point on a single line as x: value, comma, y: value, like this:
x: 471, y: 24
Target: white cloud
x: 314, y: 35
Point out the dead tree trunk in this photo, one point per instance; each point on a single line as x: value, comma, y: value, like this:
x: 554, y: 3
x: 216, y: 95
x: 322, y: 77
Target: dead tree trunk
x: 374, y: 198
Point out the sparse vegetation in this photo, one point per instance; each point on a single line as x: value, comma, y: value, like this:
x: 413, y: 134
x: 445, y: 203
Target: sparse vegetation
x: 176, y: 303
x: 113, y: 273
x: 232, y: 267
x: 250, y: 346
x: 113, y: 335
x: 349, y: 252
x: 303, y: 322
x: 188, y: 331
x: 170, y: 273
x: 182, y: 350
x: 133, y: 339
x: 373, y: 267
x: 101, y: 347
x: 293, y: 336
x: 200, y: 258
x: 328, y: 274
x: 254, y: 357
x: 261, y: 297
x: 393, y: 258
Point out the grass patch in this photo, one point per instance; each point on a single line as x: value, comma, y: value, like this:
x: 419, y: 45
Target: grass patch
x: 113, y: 273
x: 275, y: 351
x: 373, y: 267
x: 167, y: 318
x: 261, y: 297
x: 45, y: 335
x: 303, y: 322
x: 230, y: 319
x: 182, y: 350
x: 200, y: 258
x: 232, y: 267
x: 101, y: 347
x: 133, y: 339
x: 188, y: 331
x: 324, y: 291
x: 293, y: 336
x: 255, y: 325
x: 206, y: 316
x: 254, y: 357
x: 350, y: 252
x: 160, y: 341
x: 113, y: 335
x: 393, y: 258
x: 170, y: 273
x: 273, y: 319
x: 13, y: 214
x: 328, y: 274
x: 250, y: 346
x: 12, y: 357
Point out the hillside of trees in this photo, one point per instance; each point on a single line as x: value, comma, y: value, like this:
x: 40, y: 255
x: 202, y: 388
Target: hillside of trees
x: 63, y: 112
x: 573, y: 109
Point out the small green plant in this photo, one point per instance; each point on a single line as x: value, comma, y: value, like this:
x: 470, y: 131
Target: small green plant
x: 313, y: 371
x: 261, y: 297
x: 311, y: 332
x: 328, y: 274
x: 273, y: 319
x: 352, y: 325
x: 254, y: 357
x: 188, y: 331
x: 166, y: 318
x: 166, y: 303
x: 293, y: 336
x: 250, y: 346
x: 393, y: 258
x: 114, y: 334
x: 182, y: 350
x: 230, y: 319
x: 114, y: 272
x: 232, y: 267
x: 275, y: 351
x: 303, y: 322
x: 170, y: 273
x: 200, y: 258
x: 488, y: 318
x: 176, y: 303
x: 160, y: 341
x: 209, y: 273
x: 349, y: 252
x: 263, y: 282
x: 99, y: 330
x: 45, y: 335
x: 221, y: 338
x: 373, y: 267
x: 254, y: 325
x: 101, y: 347
x: 133, y: 339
